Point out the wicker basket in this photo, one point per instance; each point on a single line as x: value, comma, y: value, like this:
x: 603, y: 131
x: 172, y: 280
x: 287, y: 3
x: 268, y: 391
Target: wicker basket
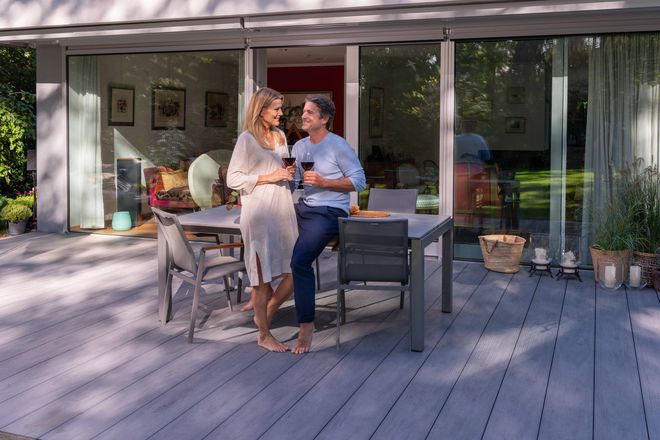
x: 502, y: 252
x: 649, y: 263
x: 600, y: 258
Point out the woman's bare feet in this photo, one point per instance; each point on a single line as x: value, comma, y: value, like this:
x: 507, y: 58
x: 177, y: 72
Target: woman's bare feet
x: 304, y: 342
x: 248, y: 306
x: 271, y: 344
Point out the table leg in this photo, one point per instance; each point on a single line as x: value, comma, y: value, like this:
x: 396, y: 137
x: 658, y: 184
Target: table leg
x: 416, y: 296
x: 447, y: 270
x: 164, y: 291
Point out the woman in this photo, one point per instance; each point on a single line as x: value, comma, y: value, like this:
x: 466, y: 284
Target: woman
x: 268, y: 219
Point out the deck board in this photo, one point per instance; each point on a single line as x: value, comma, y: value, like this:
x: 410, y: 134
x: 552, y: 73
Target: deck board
x: 524, y: 385
x: 82, y: 355
x: 568, y: 407
x: 618, y: 403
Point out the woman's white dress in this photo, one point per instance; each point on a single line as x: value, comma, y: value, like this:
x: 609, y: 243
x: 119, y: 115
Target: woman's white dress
x: 268, y: 219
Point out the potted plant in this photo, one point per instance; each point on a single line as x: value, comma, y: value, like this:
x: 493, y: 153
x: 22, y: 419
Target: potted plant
x: 17, y: 215
x: 618, y: 230
x: 643, y: 185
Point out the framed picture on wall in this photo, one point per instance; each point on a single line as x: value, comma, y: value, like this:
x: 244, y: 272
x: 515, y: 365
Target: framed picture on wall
x: 121, y: 108
x: 215, y: 114
x: 514, y: 124
x: 376, y: 109
x: 293, y: 107
x: 168, y: 108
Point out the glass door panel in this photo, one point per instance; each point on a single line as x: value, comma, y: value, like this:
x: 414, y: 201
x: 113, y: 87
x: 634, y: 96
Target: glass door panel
x: 399, y: 117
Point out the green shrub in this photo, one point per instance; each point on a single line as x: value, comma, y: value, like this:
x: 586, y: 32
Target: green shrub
x: 27, y: 200
x: 3, y: 201
x: 15, y: 212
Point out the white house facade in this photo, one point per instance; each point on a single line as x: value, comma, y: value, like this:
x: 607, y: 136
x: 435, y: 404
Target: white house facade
x: 511, y: 116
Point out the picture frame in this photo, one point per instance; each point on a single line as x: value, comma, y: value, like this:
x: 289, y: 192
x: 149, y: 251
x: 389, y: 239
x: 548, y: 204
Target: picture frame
x: 376, y: 111
x: 514, y: 125
x: 515, y: 95
x: 293, y: 107
x: 215, y: 109
x: 121, y: 105
x: 168, y: 108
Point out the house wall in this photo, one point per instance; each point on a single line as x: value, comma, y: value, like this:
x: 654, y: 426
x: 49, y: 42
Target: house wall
x: 310, y: 79
x: 52, y: 169
x: 35, y: 13
x: 197, y: 74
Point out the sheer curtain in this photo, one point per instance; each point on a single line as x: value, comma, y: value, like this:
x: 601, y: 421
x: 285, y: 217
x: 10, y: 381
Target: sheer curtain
x: 623, y: 115
x: 86, y: 195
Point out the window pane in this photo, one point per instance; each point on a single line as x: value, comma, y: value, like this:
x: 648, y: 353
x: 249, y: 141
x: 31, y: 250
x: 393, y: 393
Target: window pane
x: 399, y: 114
x: 502, y: 169
x: 136, y: 122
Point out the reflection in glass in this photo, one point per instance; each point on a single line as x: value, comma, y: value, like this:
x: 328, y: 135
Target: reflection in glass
x: 399, y: 114
x: 120, y: 161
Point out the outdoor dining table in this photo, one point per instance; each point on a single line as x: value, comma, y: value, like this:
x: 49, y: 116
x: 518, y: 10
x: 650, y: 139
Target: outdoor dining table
x: 423, y: 229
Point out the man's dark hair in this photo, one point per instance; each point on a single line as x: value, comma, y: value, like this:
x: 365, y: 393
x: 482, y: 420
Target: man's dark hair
x: 325, y: 105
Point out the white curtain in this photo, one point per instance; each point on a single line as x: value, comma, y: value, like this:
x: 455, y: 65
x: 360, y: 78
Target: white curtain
x: 86, y: 191
x: 623, y: 115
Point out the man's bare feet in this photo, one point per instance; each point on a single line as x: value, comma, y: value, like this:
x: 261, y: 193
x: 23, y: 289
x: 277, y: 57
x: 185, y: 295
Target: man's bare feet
x: 304, y: 342
x: 271, y: 344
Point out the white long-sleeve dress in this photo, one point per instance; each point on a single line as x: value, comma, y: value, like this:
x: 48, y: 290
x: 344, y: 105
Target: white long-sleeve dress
x: 268, y: 219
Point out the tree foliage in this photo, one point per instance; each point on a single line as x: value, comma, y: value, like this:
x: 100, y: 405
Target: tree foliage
x: 17, y: 117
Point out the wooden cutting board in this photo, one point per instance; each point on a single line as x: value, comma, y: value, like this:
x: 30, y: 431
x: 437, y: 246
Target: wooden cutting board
x: 371, y: 214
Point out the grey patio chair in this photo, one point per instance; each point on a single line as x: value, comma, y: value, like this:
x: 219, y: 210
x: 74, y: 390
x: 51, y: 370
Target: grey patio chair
x: 393, y: 200
x: 380, y: 199
x: 196, y: 271
x: 374, y: 251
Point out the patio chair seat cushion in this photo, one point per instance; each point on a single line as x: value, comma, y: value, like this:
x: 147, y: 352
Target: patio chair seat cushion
x: 221, y: 266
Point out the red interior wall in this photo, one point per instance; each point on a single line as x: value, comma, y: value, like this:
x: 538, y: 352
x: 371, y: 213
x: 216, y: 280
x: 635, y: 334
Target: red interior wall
x: 312, y: 79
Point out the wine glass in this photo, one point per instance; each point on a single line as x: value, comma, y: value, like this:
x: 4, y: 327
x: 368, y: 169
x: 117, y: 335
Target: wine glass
x: 287, y: 159
x: 307, y: 162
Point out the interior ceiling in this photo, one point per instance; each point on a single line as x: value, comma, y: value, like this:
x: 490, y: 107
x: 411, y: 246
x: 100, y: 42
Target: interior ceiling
x: 300, y: 56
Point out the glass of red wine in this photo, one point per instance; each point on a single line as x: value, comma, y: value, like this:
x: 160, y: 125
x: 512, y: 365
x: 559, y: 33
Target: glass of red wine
x: 287, y: 159
x: 307, y: 162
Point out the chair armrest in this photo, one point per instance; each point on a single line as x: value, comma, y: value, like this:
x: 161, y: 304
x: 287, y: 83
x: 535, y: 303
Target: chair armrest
x: 222, y: 246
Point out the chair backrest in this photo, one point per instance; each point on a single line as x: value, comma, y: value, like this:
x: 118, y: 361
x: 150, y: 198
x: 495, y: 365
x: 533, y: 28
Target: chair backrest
x: 181, y: 253
x: 373, y: 250
x: 202, y: 174
x: 394, y: 200
x: 407, y: 176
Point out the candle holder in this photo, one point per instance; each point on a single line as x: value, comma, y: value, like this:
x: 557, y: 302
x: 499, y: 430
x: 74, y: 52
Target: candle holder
x: 539, y: 253
x: 610, y: 277
x: 635, y: 280
x: 570, y: 258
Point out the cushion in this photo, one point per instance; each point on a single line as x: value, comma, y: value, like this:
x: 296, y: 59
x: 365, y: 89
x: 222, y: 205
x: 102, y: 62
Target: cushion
x: 176, y: 194
x: 174, y: 179
x: 221, y: 191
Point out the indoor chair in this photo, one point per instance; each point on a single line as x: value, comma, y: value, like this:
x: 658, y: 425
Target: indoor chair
x: 374, y: 251
x: 196, y: 270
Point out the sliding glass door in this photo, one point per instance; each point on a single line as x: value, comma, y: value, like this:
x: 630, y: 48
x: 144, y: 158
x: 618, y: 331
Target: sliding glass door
x: 399, y: 119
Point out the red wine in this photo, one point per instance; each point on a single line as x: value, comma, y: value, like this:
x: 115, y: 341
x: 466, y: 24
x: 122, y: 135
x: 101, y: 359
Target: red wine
x: 288, y: 161
x: 307, y: 165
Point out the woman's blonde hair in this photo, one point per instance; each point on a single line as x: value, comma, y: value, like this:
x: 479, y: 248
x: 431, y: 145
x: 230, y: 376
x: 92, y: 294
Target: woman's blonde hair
x: 262, y: 99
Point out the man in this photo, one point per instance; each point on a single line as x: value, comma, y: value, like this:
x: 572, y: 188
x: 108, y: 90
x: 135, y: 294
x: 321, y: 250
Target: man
x: 336, y: 172
x: 471, y: 146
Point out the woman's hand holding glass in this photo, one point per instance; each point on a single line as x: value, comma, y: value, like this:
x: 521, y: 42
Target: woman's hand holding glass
x: 289, y: 163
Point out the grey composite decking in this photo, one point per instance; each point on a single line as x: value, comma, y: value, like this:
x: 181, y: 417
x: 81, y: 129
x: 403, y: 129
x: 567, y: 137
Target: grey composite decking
x: 82, y: 355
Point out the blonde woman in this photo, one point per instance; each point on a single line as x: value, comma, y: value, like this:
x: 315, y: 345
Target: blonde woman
x: 268, y: 219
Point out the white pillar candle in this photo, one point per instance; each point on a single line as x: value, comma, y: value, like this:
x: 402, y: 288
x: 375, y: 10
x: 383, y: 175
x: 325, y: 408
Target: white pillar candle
x: 568, y: 259
x: 610, y: 276
x: 540, y: 255
x: 635, y: 276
